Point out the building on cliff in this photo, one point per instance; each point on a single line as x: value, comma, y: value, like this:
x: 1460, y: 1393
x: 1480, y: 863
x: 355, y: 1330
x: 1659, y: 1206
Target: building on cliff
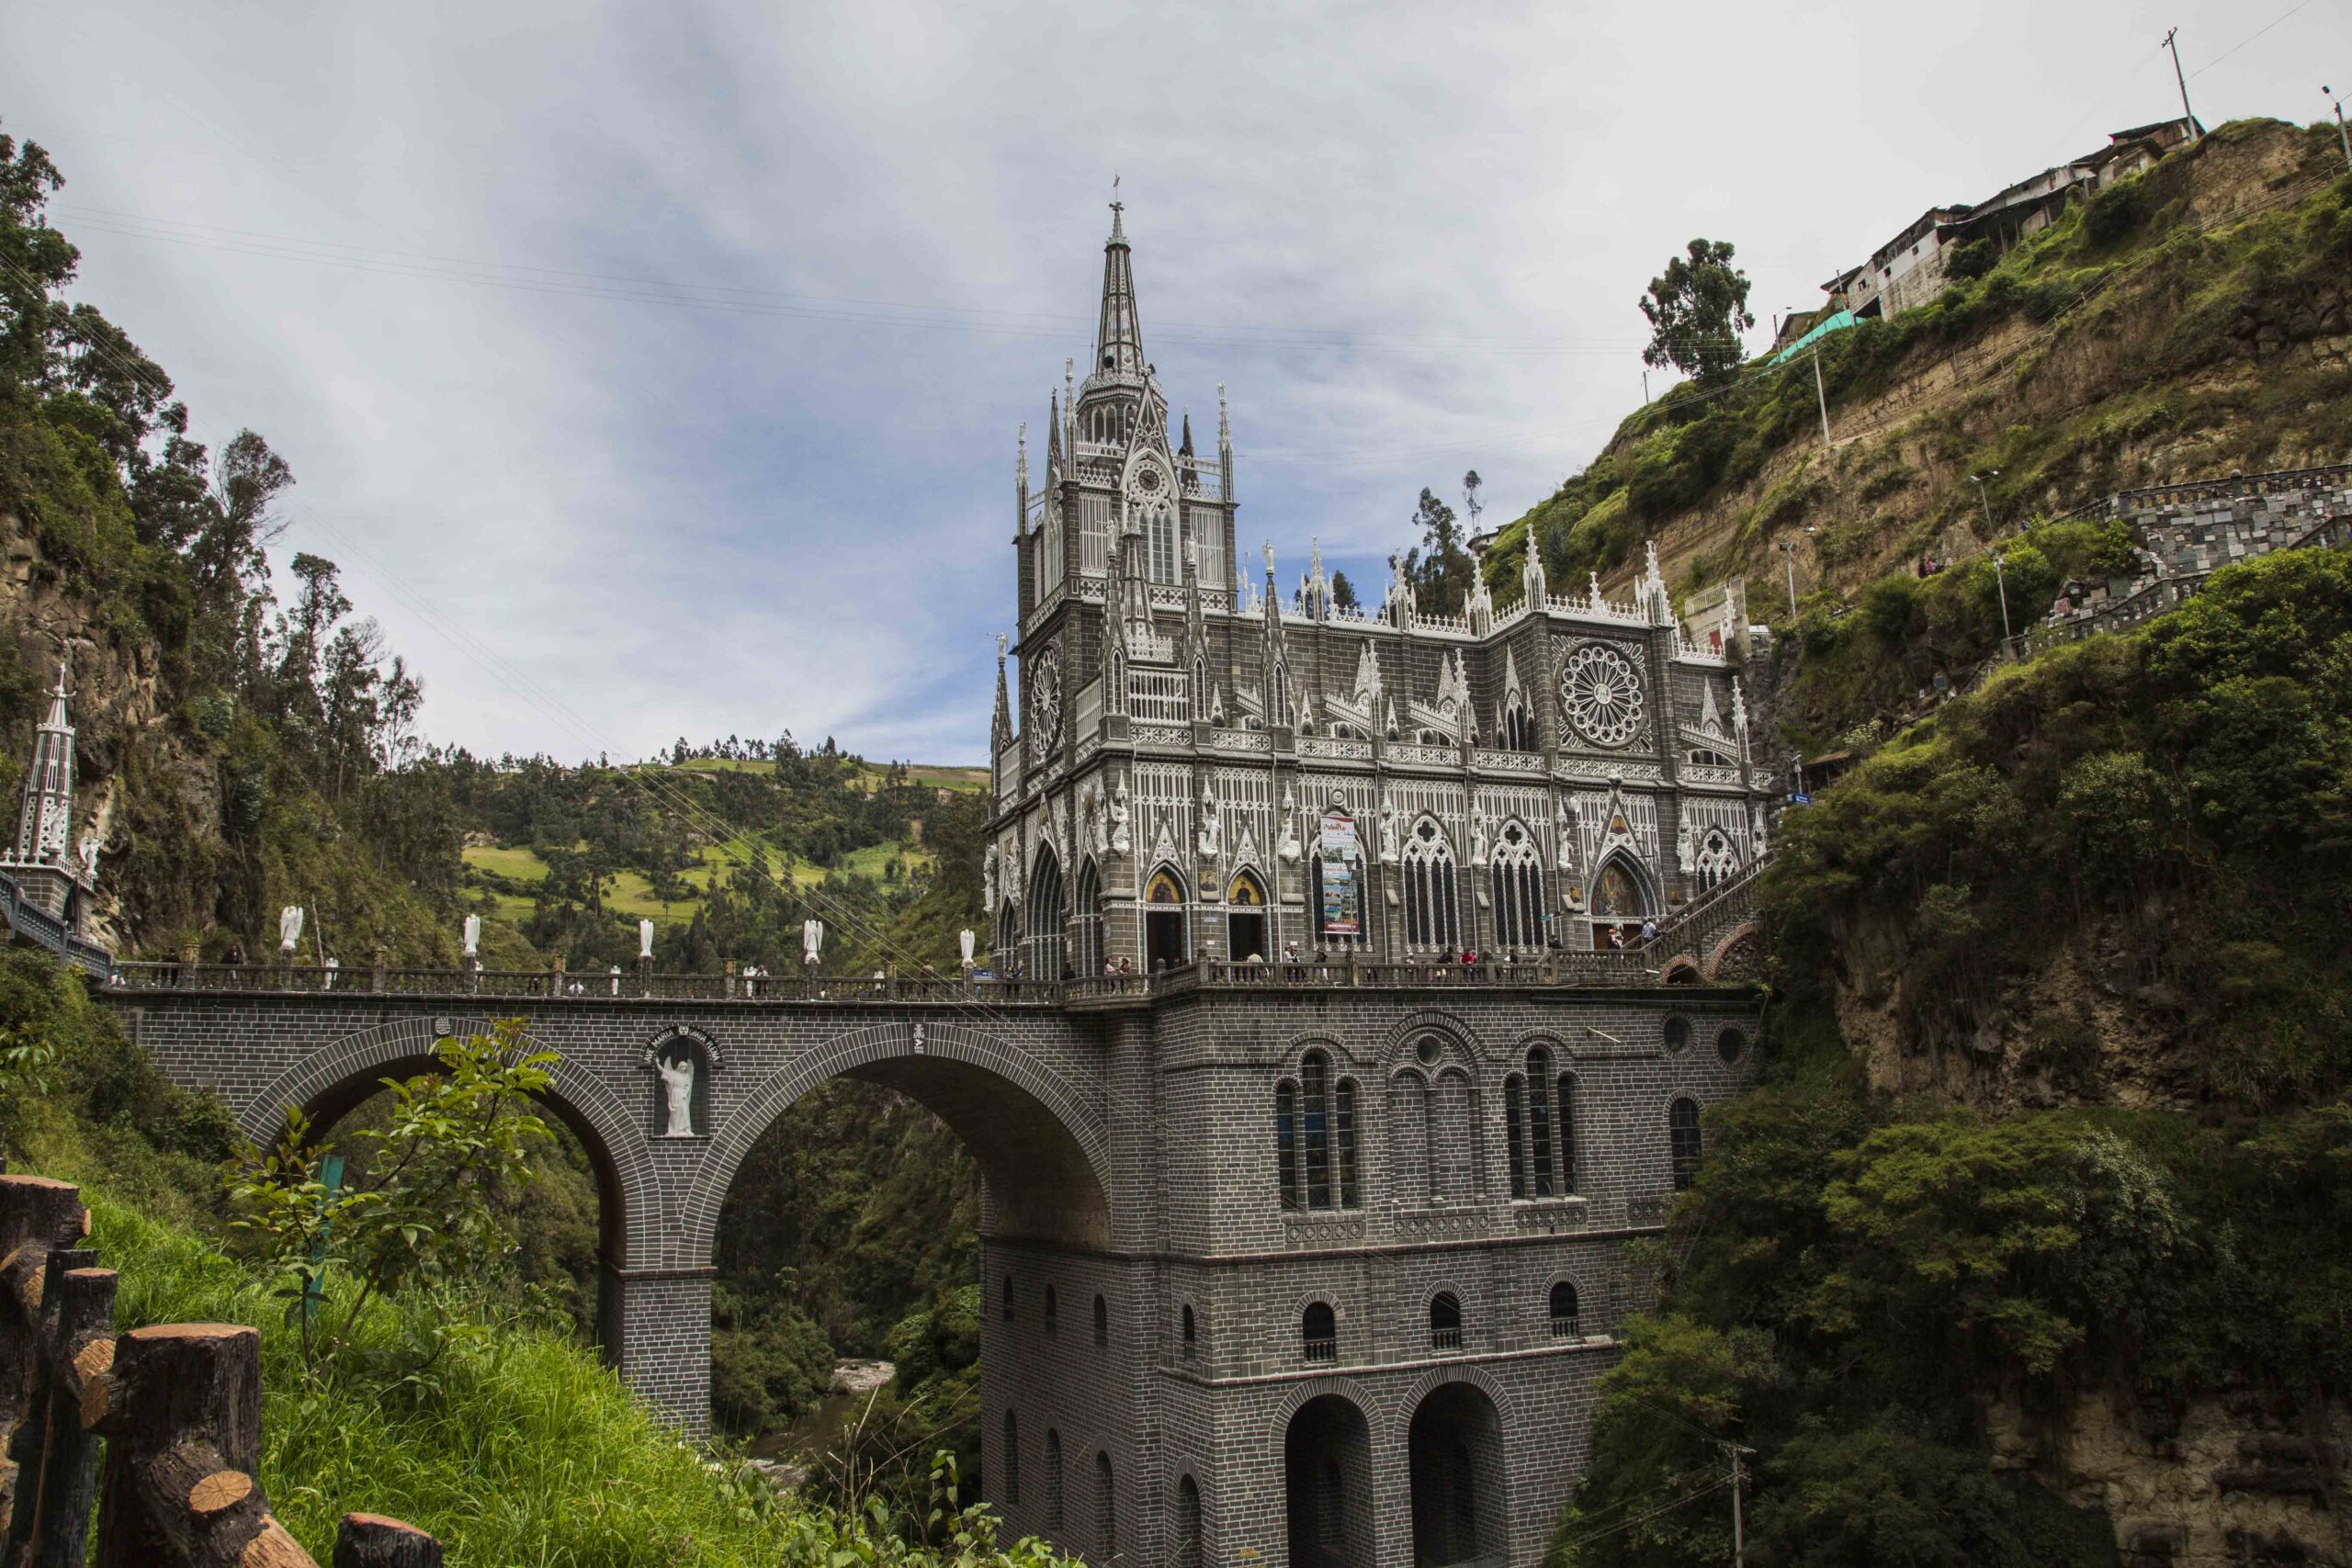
x: 1199, y: 773
x: 47, y: 881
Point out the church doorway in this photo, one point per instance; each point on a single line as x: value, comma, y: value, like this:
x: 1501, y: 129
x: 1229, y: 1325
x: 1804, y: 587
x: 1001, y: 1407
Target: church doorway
x: 1245, y: 919
x: 1621, y: 902
x: 1454, y: 1457
x: 1327, y: 1484
x: 1163, y: 920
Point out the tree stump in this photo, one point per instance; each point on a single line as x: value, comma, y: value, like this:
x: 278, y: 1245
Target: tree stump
x: 371, y: 1540
x: 181, y: 1413
x: 37, y: 1216
x: 68, y: 1477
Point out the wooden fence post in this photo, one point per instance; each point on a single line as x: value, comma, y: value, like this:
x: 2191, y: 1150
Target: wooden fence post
x: 181, y: 1413
x: 371, y: 1540
x: 83, y: 1340
x: 37, y: 1216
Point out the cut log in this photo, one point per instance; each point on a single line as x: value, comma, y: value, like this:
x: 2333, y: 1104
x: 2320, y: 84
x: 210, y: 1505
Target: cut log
x: 371, y: 1540
x: 182, y: 1407
x: 83, y: 1336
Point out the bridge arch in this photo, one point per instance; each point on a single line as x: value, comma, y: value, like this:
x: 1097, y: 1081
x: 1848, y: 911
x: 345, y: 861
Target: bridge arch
x: 328, y: 1084
x: 1043, y: 1149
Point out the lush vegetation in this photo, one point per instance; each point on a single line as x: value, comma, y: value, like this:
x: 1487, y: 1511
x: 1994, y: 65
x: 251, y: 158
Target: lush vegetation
x: 2170, y: 297
x: 1861, y: 1273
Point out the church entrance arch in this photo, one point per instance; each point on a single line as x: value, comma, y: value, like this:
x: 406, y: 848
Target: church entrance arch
x: 1245, y: 918
x: 1621, y: 899
x: 1327, y: 1484
x: 1163, y: 918
x: 1455, y: 1459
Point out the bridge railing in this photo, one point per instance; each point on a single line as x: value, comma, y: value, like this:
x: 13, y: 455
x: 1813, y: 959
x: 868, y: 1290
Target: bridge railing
x: 165, y: 1421
x: 1635, y: 965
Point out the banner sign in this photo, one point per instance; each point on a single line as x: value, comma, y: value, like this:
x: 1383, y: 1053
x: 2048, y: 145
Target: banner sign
x: 1341, y: 872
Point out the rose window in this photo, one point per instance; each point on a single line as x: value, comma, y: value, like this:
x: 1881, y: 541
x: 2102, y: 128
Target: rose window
x: 1601, y: 695
x: 1046, y: 698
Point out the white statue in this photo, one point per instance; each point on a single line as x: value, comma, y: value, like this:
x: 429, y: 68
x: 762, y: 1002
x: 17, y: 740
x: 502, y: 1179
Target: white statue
x: 1391, y: 831
x: 988, y: 879
x: 1211, y: 832
x: 678, y: 1093
x: 474, y: 935
x: 1287, y: 847
x: 289, y: 928
x: 645, y: 939
x: 812, y: 940
x: 1759, y: 839
x: 1568, y: 837
x: 615, y: 973
x: 88, y: 851
x: 964, y: 941
x: 1478, y: 840
x: 1685, y: 851
x: 1119, y: 842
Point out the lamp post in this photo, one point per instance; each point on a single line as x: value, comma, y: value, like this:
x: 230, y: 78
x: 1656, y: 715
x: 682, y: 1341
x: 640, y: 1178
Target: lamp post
x: 1789, y: 558
x: 2342, y: 135
x: 2001, y: 581
x: 1978, y: 481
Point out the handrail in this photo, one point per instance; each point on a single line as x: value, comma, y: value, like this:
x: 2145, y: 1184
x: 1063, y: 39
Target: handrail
x: 162, y: 1413
x: 1634, y: 965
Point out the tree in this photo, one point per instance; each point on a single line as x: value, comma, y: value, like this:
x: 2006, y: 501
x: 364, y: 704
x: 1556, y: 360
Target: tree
x: 1439, y: 569
x: 1698, y: 308
x: 1344, y: 592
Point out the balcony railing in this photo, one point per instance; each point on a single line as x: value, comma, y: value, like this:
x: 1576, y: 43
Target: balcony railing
x: 1445, y: 1339
x: 1322, y: 1349
x: 1568, y: 1325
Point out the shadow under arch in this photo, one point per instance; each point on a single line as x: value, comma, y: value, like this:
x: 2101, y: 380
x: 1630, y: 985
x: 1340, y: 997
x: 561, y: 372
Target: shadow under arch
x: 330, y: 1083
x: 1044, y: 1154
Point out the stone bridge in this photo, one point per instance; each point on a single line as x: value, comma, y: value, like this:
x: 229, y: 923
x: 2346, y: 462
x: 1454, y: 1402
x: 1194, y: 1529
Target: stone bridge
x: 1245, y: 1228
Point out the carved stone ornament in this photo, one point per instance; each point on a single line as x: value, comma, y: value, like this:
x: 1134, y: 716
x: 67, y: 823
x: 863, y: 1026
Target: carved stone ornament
x: 1601, y: 695
x: 1044, y: 680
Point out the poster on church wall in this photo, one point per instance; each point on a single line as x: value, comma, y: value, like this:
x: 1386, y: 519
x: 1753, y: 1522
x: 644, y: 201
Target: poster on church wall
x: 1340, y: 868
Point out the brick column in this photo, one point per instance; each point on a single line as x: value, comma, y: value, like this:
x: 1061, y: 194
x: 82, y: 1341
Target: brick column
x: 656, y: 1324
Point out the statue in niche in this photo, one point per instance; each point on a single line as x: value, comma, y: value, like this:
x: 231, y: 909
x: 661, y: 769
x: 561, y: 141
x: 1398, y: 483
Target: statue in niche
x: 1212, y: 833
x: 1685, y: 852
x: 1478, y: 840
x: 1389, y: 829
x: 678, y: 1094
x: 88, y: 850
x: 1119, y: 842
x: 988, y: 880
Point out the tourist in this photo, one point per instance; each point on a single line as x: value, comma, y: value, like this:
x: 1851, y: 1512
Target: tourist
x: 1290, y: 952
x: 234, y: 955
x: 1617, y: 937
x: 1649, y: 931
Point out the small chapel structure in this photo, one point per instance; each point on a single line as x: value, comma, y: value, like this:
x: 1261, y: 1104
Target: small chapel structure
x: 52, y: 874
x: 1198, y: 770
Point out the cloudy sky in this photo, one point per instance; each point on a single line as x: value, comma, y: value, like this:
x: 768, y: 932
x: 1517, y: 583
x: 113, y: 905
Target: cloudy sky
x: 655, y: 370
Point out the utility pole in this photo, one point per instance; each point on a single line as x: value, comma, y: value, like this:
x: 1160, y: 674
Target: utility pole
x: 2341, y: 134
x: 2001, y: 579
x: 1645, y: 389
x: 1822, y: 397
x: 1738, y: 1523
x: 1789, y: 560
x: 2170, y: 33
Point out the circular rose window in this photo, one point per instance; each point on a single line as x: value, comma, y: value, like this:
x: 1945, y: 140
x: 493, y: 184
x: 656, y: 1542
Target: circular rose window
x: 1601, y: 695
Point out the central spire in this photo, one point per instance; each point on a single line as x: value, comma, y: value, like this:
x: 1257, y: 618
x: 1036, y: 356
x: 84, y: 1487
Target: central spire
x: 1118, y: 342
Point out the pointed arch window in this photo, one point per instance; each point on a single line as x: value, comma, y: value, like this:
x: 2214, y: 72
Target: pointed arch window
x: 1518, y: 730
x: 1566, y: 1100
x: 1049, y: 549
x: 1047, y: 958
x: 1536, y: 1131
x: 1160, y: 544
x: 1315, y: 1137
x: 1086, y: 926
x: 1518, y: 874
x: 1102, y: 1321
x: 1431, y: 919
x: 1718, y: 860
x: 1053, y: 1478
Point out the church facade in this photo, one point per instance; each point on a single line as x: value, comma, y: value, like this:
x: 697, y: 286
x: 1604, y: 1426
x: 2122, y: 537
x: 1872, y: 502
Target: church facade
x: 1199, y: 771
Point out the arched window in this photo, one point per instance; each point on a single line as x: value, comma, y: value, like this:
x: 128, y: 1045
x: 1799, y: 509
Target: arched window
x: 1430, y: 918
x: 1315, y: 1137
x: 1045, y: 956
x: 1008, y: 938
x: 1159, y: 538
x: 1682, y: 1142
x: 1053, y: 1498
x: 1563, y: 1310
x: 1539, y: 1122
x: 1189, y: 1330
x: 1445, y: 1321
x: 1012, y: 1458
x: 1286, y: 1174
x: 1053, y: 1311
x: 1566, y: 1131
x: 1049, y: 549
x: 1188, y: 1522
x: 1514, y: 1143
x: 1620, y: 892
x: 1163, y: 920
x: 1454, y: 1140
x: 1106, y: 1508
x: 1102, y: 1321
x: 1008, y: 1298
x: 1245, y: 918
x: 1318, y: 1332
x: 1087, y: 920
x: 1517, y: 874
x: 1718, y: 860
x: 1518, y: 733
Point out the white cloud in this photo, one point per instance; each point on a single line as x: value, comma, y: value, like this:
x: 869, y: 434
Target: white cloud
x: 703, y: 520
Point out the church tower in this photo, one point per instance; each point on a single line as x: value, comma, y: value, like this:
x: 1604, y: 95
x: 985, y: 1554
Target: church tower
x: 43, y: 862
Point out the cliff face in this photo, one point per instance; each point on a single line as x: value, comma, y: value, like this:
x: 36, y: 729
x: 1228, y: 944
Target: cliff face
x: 141, y: 780
x: 2190, y: 322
